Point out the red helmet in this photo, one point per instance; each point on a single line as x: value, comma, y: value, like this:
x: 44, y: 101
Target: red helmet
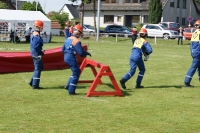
x: 67, y: 23
x: 197, y: 22
x: 78, y: 27
x: 143, y: 30
x: 38, y: 23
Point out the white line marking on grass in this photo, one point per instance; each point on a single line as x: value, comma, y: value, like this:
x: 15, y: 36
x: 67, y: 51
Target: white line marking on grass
x: 94, y: 99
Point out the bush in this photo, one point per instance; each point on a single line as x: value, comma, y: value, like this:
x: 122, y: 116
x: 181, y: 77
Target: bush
x: 139, y: 26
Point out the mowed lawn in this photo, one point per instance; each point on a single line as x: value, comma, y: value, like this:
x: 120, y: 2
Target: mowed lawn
x: 163, y: 106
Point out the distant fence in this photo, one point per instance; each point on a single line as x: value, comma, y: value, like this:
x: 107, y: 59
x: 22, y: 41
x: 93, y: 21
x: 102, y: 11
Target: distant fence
x: 121, y: 35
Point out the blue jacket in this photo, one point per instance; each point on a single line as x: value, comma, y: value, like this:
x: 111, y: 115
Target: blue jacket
x: 72, y: 45
x: 140, y: 47
x: 36, y: 44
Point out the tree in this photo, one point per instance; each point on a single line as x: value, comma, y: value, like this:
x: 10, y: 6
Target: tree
x: 32, y: 6
x: 198, y: 1
x: 60, y: 17
x: 155, y: 11
x: 2, y: 5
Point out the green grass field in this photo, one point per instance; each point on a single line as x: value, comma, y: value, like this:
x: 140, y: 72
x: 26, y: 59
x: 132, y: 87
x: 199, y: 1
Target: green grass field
x: 163, y: 106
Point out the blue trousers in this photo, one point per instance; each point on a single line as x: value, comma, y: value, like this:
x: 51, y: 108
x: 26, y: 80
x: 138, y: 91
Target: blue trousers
x: 134, y: 37
x: 134, y: 63
x: 71, y: 61
x: 195, y: 65
x: 38, y: 67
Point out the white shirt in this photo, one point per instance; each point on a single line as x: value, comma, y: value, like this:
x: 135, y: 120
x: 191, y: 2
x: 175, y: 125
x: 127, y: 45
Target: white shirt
x: 180, y: 32
x: 28, y: 32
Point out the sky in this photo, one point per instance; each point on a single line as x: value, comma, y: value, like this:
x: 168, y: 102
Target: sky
x: 52, y: 5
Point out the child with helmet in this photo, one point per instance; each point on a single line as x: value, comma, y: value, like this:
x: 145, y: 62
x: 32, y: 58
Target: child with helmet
x: 36, y: 44
x: 71, y: 47
x: 195, y: 53
x: 134, y: 34
x: 67, y: 30
x: 140, y: 47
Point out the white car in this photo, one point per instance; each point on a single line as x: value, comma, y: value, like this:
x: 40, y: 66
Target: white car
x: 88, y: 29
x: 159, y: 30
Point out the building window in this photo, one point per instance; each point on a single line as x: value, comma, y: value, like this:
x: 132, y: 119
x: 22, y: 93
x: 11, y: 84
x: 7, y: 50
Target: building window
x: 178, y: 3
x: 145, y: 19
x: 184, y: 4
x: 119, y: 18
x: 177, y: 19
x: 135, y: 1
x: 127, y: 1
x: 136, y: 19
x: 108, y: 18
x: 113, y: 1
x: 171, y: 4
x: 121, y: 1
x: 183, y: 21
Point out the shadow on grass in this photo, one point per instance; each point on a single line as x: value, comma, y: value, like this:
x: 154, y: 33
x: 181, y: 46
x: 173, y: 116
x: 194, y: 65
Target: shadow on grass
x: 165, y: 86
x: 124, y: 39
x: 125, y: 93
x: 62, y: 87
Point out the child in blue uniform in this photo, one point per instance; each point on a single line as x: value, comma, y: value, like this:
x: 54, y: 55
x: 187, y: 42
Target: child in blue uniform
x: 36, y: 44
x: 67, y: 30
x: 195, y: 53
x: 71, y: 47
x: 140, y: 47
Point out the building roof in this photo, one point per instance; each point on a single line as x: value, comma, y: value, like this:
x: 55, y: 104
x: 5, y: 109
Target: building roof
x: 55, y: 25
x: 73, y: 10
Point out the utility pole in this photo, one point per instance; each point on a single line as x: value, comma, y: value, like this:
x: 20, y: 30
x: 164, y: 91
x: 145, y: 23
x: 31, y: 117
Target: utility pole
x: 36, y: 5
x: 190, y: 14
x: 16, y: 5
x: 98, y: 20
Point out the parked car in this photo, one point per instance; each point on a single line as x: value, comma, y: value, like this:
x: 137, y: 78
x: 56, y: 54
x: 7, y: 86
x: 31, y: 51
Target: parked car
x: 160, y: 30
x: 171, y: 25
x: 112, y: 30
x: 187, y: 33
x: 88, y: 29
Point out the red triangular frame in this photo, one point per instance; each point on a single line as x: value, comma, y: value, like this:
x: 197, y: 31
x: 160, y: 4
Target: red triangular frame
x: 103, y: 71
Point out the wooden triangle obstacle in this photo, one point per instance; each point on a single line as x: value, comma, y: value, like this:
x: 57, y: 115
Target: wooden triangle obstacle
x: 104, y: 70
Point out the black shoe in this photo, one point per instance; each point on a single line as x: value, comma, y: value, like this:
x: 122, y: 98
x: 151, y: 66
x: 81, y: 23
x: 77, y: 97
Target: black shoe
x: 66, y: 87
x: 122, y: 84
x: 38, y: 88
x: 73, y: 93
x: 139, y: 86
x: 188, y: 86
x: 30, y: 84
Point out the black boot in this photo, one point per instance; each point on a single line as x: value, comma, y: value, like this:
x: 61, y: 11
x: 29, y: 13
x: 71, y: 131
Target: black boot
x: 188, y: 85
x: 30, y: 83
x: 122, y: 82
x: 139, y: 86
x: 66, y: 87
